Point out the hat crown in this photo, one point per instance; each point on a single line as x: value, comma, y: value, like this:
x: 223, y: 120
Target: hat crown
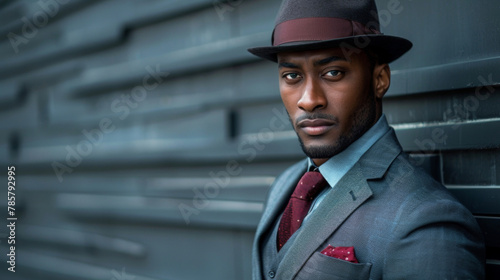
x: 303, y: 25
x: 362, y: 11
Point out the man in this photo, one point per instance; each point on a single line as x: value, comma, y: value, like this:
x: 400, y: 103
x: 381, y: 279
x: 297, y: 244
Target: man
x: 355, y: 208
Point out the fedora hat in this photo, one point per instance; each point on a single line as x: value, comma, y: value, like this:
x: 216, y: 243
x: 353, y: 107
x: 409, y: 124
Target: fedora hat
x: 320, y: 24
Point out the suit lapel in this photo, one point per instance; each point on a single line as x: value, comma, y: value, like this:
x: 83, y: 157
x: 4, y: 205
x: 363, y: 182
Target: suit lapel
x: 277, y: 199
x: 279, y: 195
x: 347, y: 195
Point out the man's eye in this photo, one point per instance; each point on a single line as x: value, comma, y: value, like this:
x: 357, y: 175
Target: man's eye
x: 291, y: 76
x: 333, y: 73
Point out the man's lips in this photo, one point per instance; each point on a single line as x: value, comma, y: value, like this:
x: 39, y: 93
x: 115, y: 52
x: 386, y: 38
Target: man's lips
x: 314, y: 127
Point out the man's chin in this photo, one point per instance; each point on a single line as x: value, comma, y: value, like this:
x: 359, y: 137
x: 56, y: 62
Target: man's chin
x: 320, y: 152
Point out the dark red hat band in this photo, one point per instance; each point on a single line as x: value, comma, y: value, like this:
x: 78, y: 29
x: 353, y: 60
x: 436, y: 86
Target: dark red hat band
x: 318, y: 29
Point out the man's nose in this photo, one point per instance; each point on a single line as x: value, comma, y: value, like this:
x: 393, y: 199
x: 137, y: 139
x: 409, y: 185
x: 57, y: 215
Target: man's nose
x: 313, y: 96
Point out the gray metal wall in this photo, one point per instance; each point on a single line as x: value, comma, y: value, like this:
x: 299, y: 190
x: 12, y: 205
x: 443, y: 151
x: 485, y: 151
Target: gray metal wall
x: 145, y: 137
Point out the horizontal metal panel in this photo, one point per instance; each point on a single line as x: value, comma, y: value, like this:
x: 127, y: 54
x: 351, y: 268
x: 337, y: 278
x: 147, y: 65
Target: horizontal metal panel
x: 25, y: 114
x: 43, y: 78
x: 255, y: 17
x: 266, y: 119
x: 251, y: 148
x: 445, y: 46
x: 62, y: 46
x: 12, y: 16
x: 57, y: 268
x: 169, y: 254
x: 208, y: 56
x: 230, y: 187
x: 471, y: 167
x: 75, y: 35
x: 10, y: 95
x: 445, y: 77
x: 265, y: 146
x: 11, y: 11
x: 60, y: 238
x: 169, y: 98
x: 491, y: 230
x: 200, y: 210
x: 422, y: 137
x: 110, y: 137
x: 232, y: 181
x: 258, y: 80
x: 447, y: 106
x: 164, y: 179
x: 480, y: 200
x: 172, y: 97
x: 194, y: 29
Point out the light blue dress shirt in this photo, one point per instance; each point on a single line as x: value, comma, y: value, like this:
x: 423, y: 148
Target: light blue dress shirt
x: 337, y: 166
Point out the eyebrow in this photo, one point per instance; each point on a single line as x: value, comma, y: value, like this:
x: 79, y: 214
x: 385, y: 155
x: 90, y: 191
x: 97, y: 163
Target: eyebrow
x: 321, y: 62
x: 327, y: 60
x: 287, y: 65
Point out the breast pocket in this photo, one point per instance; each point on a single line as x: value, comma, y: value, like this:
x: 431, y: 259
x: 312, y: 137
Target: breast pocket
x: 321, y: 267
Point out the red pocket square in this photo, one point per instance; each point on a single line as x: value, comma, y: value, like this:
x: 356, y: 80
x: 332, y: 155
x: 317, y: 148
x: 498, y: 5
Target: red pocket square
x: 343, y: 253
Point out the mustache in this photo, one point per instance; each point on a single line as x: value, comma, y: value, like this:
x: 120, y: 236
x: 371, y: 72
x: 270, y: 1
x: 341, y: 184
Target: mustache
x: 314, y: 116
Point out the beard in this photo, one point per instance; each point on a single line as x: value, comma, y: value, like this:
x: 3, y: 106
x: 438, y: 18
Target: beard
x: 363, y: 118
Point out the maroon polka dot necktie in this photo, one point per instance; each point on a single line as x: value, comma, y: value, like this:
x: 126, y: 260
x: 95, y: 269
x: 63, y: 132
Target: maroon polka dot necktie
x: 309, y: 186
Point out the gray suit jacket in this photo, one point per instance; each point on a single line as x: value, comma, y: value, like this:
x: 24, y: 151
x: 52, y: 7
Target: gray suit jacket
x: 401, y: 222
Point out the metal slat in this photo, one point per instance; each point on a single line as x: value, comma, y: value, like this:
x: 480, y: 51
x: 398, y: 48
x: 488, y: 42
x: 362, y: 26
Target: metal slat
x: 77, y: 36
x: 436, y: 77
x: 480, y: 200
x: 57, y: 268
x: 491, y: 230
x: 58, y: 238
x: 125, y: 140
x: 209, y: 56
x: 200, y: 210
x: 431, y: 137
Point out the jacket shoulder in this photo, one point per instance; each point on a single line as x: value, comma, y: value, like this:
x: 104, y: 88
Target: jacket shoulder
x: 429, y: 224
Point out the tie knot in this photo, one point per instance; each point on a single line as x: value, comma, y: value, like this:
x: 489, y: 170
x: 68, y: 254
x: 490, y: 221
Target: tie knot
x: 309, y: 186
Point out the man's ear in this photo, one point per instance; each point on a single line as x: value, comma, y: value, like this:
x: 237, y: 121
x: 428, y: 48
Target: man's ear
x: 381, y: 79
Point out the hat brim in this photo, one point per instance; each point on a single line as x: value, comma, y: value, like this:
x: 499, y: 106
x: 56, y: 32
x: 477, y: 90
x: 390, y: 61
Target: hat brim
x: 388, y: 48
